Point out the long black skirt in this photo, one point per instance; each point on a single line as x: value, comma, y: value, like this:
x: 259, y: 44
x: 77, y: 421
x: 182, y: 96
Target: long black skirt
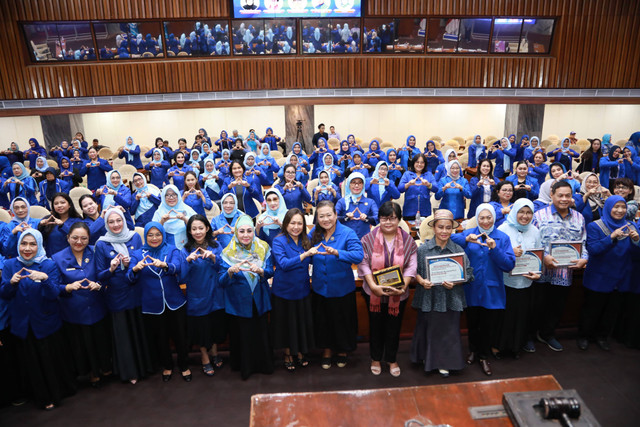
x: 131, y: 358
x: 212, y: 328
x: 516, y: 322
x: 628, y: 328
x: 90, y: 347
x: 12, y: 385
x: 437, y: 342
x: 336, y: 322
x: 47, y: 368
x: 292, y: 324
x: 250, y: 351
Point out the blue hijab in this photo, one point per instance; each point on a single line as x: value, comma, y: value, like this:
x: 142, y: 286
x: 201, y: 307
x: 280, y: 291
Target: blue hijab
x: 43, y: 168
x: 131, y: 146
x: 492, y: 211
x: 24, y: 173
x: 109, y: 199
x: 145, y: 204
x: 69, y: 170
x: 261, y: 155
x: 512, y: 218
x: 235, y: 205
x: 478, y: 147
x: 163, y: 249
x: 611, y: 223
x: 376, y: 151
x: 40, y: 255
x: 279, y: 213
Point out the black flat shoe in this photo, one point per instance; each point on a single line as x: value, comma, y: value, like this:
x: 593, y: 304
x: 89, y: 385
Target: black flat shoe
x: 187, y: 377
x: 583, y: 343
x: 486, y: 367
x: 166, y: 378
x: 471, y: 358
x: 603, y: 344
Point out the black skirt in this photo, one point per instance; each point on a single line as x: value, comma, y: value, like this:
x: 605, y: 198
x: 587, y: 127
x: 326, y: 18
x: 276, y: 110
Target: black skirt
x: 628, y: 328
x: 336, y: 322
x: 250, y: 351
x: 47, y: 367
x: 292, y: 324
x: 212, y: 328
x: 90, y: 347
x: 516, y: 322
x: 436, y: 341
x: 131, y: 358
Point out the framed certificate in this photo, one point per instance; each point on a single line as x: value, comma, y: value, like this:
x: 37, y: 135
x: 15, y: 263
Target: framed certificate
x: 446, y: 268
x: 391, y: 276
x: 566, y: 253
x: 530, y: 261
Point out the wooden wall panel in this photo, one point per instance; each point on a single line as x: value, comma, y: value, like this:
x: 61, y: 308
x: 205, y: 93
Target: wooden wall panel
x: 595, y: 46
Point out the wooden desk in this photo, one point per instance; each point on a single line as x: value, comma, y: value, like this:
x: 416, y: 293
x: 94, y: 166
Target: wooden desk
x: 436, y: 404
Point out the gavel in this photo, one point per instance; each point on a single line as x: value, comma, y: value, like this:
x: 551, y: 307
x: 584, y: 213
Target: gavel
x: 560, y: 408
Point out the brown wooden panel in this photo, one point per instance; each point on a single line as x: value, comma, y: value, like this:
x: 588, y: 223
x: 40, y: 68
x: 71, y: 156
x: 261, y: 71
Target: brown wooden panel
x: 594, y: 46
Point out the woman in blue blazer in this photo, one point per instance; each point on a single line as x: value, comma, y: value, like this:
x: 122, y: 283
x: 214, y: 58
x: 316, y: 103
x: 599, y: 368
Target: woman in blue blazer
x: 34, y: 151
x: 325, y: 190
x: 434, y: 157
x: 194, y: 196
x: 375, y: 154
x: 243, y: 190
x: 317, y: 158
x: 176, y: 173
x: 158, y: 168
x: 82, y: 306
x: 355, y: 210
x: 293, y: 191
x: 564, y: 154
x: 453, y: 189
x: 481, y: 186
x: 417, y: 184
x: 199, y: 269
x: 245, y: 267
x: 223, y: 224
x: 144, y: 200
x: 114, y: 193
x: 334, y: 315
x: 612, y: 166
x: 408, y: 152
x: 20, y: 209
x: 49, y: 186
x: 380, y: 187
x: 524, y: 185
x: 504, y: 156
x: 155, y: 268
x: 490, y: 253
x: 30, y: 283
x: 131, y: 358
x: 20, y: 185
x: 477, y: 151
x: 538, y: 168
x: 95, y: 170
x: 131, y: 153
x: 55, y: 227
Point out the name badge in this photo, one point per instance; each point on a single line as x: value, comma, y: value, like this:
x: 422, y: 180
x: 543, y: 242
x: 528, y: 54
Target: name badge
x: 71, y: 269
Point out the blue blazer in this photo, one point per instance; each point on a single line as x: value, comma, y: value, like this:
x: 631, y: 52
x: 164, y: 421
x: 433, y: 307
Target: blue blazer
x: 539, y: 173
x: 498, y: 155
x: 365, y: 206
x: 10, y: 240
x: 294, y: 197
x: 61, y: 187
x: 158, y: 174
x: 291, y: 279
x: 196, y: 203
x: 119, y: 292
x: 405, y: 153
x: 329, y: 196
x: 204, y: 294
x: 477, y: 194
x: 333, y: 275
x: 27, y: 190
x: 452, y: 198
x: 413, y: 192
x: 248, y: 195
x: 178, y: 180
x: 159, y: 288
x: 96, y: 175
x: 123, y: 198
x: 81, y: 307
x: 167, y: 153
x: 473, y: 162
x: 148, y: 215
x: 530, y: 181
x: 57, y: 239
x: 390, y: 193
x: 433, y: 161
x: 238, y: 297
x: 32, y: 305
x: 487, y: 288
x: 136, y: 162
x: 606, y: 166
x: 218, y: 223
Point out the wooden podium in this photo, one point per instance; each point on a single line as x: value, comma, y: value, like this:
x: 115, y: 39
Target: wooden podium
x: 435, y: 405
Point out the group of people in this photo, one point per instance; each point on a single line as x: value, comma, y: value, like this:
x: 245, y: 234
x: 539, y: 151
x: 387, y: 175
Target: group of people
x: 201, y: 41
x: 277, y: 36
x: 327, y: 38
x: 85, y: 295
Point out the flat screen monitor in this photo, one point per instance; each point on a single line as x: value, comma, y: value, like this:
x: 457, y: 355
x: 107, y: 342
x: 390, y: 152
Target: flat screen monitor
x: 297, y: 8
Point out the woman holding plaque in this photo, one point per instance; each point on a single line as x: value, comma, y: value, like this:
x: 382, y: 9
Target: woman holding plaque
x: 611, y: 243
x: 490, y: 253
x: 436, y: 339
x: 334, y: 298
x: 517, y: 316
x: 386, y: 246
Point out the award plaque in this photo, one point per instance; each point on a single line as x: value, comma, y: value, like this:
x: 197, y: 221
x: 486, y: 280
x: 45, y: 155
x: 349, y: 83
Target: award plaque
x: 529, y: 262
x: 446, y: 268
x: 565, y: 253
x: 390, y: 276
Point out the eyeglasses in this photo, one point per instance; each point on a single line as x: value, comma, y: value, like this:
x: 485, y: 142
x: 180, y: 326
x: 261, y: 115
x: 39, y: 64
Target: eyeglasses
x: 387, y: 219
x: 171, y: 195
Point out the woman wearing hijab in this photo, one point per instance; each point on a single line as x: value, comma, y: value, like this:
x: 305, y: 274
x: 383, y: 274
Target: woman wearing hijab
x: 92, y: 216
x: 131, y: 153
x: 325, y: 190
x: 131, y: 358
x: 173, y: 214
x: 245, y: 193
x: 564, y: 154
x: 30, y: 283
x: 375, y: 154
x: 166, y: 152
x: 521, y: 148
x: 417, y: 184
x: 408, y: 152
x: 267, y: 163
x: 380, y: 187
x: 612, y: 166
x: 344, y: 155
x: 624, y: 187
x: 591, y: 199
x: 269, y: 223
x: 481, y: 186
x: 176, y: 173
x: 13, y: 153
x: 158, y: 168
x: 49, y: 187
x: 434, y: 156
x: 453, y: 189
x: 590, y: 159
x: 195, y: 161
x: 303, y: 159
x: 270, y: 139
x: 40, y: 169
x: 504, y: 156
x: 317, y: 158
x: 206, y: 319
x: 386, y: 246
x: 254, y: 173
x: 357, y: 165
x: 533, y: 148
x: 334, y: 299
x: 631, y: 164
x: 155, y: 269
x: 209, y: 179
x: 441, y: 171
x: 224, y: 165
x: 69, y: 174
x: 57, y: 152
x: 193, y: 196
x: 612, y: 241
x: 144, y: 201
x: 302, y: 175
x: 245, y: 267
x: 524, y: 185
x: 294, y: 192
x: 82, y: 306
x: 329, y: 166
x: 96, y: 169
x: 20, y: 211
x: 291, y: 317
x: 114, y: 193
x: 34, y: 151
x: 355, y: 210
x: 20, y: 185
x: 223, y: 224
x: 515, y: 332
x: 490, y: 253
x: 436, y: 340
x: 477, y: 152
